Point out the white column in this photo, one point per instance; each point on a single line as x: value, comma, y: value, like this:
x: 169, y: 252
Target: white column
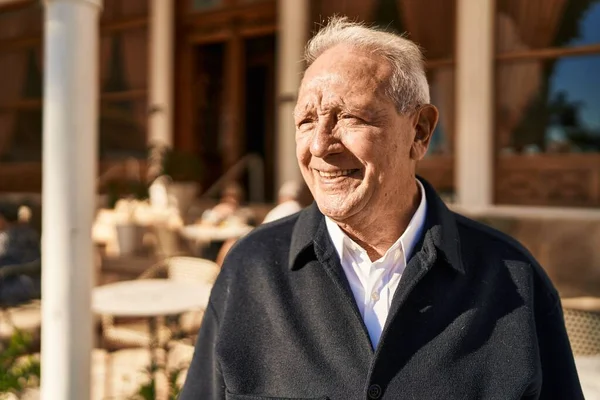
x: 292, y: 20
x: 68, y: 195
x: 161, y: 73
x: 474, y: 94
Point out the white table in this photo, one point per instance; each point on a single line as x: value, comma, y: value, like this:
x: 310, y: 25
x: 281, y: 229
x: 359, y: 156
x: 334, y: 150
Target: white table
x: 207, y: 233
x: 150, y: 298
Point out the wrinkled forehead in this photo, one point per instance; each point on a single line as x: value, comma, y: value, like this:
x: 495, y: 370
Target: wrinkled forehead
x: 346, y: 72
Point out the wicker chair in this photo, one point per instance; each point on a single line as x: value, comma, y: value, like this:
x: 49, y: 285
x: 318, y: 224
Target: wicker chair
x: 185, y: 269
x: 169, y: 243
x: 582, y: 320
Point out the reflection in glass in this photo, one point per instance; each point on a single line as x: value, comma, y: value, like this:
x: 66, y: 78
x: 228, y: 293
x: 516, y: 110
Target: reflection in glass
x: 550, y: 106
x: 430, y: 23
x: 441, y: 87
x: 536, y: 24
x: 122, y: 130
x: 200, y: 5
x: 21, y: 127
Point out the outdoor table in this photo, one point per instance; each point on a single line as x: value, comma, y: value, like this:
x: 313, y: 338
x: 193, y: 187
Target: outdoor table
x: 207, y: 233
x: 206, y: 240
x: 149, y: 298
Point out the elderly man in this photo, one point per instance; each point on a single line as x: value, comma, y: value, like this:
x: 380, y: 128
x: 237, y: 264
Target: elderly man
x: 378, y: 291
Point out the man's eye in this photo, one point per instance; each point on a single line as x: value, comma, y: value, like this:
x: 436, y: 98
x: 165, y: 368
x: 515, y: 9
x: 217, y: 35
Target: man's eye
x: 305, y: 122
x: 350, y: 117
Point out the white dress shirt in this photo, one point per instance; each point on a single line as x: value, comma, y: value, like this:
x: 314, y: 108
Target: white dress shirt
x: 374, y: 283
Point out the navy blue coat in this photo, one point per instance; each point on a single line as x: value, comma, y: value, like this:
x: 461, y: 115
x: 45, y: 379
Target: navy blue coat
x: 474, y: 317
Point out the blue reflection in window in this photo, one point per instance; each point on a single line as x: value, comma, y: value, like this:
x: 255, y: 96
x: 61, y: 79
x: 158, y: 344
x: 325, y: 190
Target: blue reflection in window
x: 205, y: 4
x: 588, y: 27
x: 574, y: 103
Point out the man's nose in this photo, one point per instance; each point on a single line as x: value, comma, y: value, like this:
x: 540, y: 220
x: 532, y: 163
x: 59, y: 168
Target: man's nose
x: 324, y: 141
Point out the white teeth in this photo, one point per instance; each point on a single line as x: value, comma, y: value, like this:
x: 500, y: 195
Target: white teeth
x: 335, y: 174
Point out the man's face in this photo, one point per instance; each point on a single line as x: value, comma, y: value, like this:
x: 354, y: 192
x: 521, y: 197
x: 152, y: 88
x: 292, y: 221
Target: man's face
x: 353, y: 147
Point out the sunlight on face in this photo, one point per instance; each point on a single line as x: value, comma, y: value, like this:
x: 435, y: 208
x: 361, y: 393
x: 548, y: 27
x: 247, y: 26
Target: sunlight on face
x: 352, y: 145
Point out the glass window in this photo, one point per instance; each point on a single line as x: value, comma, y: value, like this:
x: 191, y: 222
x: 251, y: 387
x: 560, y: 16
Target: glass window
x: 547, y: 102
x: 122, y: 129
x: 119, y: 9
x: 441, y: 88
x: 13, y: 75
x: 124, y: 61
x: 549, y: 106
x: 203, y: 5
x: 21, y: 104
x: 522, y: 26
x: 430, y: 23
x: 23, y: 21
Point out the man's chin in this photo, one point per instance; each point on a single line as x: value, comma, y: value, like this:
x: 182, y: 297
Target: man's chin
x: 335, y: 211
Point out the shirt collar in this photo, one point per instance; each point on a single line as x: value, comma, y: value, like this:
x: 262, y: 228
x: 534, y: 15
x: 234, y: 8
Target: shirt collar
x: 439, y: 232
x: 407, y: 240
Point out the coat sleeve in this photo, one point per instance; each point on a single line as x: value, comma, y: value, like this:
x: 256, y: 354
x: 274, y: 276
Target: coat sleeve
x: 204, y: 379
x: 559, y: 375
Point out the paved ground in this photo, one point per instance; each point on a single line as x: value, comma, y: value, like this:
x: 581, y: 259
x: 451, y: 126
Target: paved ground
x: 118, y: 375
x: 589, y: 375
x: 127, y: 364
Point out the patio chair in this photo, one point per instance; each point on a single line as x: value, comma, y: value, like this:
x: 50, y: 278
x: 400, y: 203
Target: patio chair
x: 185, y: 269
x: 582, y: 320
x: 169, y: 243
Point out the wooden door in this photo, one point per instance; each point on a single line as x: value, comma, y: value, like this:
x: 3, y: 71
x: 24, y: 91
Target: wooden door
x: 225, y: 87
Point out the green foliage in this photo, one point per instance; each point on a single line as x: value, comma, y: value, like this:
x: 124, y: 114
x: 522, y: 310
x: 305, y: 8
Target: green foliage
x: 18, y: 370
x: 147, y: 391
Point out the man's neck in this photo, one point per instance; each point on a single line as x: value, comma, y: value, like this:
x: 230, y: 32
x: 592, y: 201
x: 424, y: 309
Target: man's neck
x: 377, y: 233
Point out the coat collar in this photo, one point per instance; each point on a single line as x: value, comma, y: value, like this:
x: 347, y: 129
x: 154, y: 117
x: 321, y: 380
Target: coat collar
x: 440, y: 232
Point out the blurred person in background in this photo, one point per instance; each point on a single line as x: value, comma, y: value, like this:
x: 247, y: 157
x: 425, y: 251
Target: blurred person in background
x: 288, y: 202
x: 19, y: 244
x: 228, y: 208
x: 377, y: 290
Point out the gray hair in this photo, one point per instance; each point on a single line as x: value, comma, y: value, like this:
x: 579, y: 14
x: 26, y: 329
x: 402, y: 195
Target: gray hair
x: 408, y: 85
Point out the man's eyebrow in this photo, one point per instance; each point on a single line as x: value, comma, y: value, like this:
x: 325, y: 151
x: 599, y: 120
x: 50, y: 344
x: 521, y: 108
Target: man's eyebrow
x: 368, y: 112
x: 306, y: 109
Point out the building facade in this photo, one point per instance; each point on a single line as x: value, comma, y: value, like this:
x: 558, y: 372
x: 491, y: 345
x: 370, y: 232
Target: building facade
x: 515, y: 83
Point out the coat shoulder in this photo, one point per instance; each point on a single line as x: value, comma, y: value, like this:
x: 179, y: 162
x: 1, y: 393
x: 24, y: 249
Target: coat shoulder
x: 264, y: 247
x: 494, y: 245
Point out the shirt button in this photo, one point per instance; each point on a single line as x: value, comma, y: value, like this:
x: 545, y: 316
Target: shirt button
x: 374, y: 392
x: 375, y: 296
x: 397, y: 255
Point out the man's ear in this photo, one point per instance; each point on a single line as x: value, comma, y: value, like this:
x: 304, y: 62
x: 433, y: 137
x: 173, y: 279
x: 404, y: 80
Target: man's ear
x: 424, y: 122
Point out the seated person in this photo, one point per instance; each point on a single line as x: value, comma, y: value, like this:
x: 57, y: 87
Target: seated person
x: 19, y: 244
x: 288, y: 201
x: 228, y: 209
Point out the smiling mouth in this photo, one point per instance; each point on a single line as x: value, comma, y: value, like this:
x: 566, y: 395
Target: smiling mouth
x: 337, y: 174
